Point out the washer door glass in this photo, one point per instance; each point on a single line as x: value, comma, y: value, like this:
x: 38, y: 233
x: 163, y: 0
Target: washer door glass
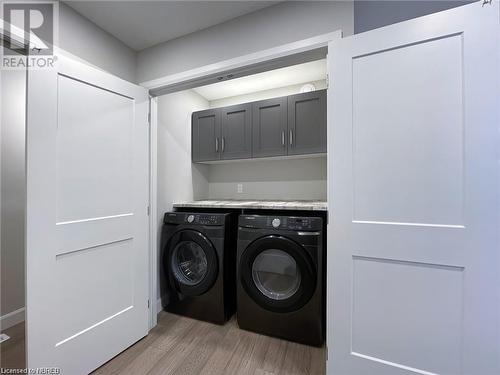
x: 189, y: 263
x: 275, y: 274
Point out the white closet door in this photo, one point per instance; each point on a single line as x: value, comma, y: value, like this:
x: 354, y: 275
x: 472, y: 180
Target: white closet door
x: 87, y: 224
x: 413, y: 252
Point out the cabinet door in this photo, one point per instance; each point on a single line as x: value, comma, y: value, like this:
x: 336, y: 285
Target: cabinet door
x: 206, y: 135
x: 236, y: 142
x: 307, y: 123
x: 269, y: 127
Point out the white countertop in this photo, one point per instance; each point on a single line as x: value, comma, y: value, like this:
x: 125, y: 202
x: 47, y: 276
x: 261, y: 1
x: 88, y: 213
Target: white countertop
x: 312, y: 205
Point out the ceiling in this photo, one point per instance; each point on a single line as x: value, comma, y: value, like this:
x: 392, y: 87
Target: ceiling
x: 291, y: 75
x: 142, y: 24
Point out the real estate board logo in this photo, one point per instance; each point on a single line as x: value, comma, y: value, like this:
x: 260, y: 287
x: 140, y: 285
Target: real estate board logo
x: 29, y: 32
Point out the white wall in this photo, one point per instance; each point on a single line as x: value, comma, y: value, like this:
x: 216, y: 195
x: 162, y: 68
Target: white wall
x: 84, y: 39
x: 13, y: 106
x: 282, y: 23
x: 286, y: 179
x: 178, y: 178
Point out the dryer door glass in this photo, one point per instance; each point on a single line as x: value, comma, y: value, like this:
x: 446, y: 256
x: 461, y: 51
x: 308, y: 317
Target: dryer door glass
x: 189, y: 263
x: 276, y: 275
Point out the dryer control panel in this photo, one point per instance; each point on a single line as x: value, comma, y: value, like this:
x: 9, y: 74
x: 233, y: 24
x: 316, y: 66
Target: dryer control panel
x: 297, y: 223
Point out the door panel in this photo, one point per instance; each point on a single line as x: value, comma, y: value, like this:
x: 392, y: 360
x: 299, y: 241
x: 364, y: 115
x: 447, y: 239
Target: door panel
x: 87, y: 223
x: 437, y: 314
x: 236, y: 132
x: 98, y: 187
x: 428, y: 186
x: 307, y: 123
x: 413, y: 165
x: 206, y: 128
x: 269, y: 125
x: 110, y: 265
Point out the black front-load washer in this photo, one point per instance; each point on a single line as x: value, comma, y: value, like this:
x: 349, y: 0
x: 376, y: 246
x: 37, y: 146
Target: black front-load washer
x: 198, y: 265
x: 279, y: 278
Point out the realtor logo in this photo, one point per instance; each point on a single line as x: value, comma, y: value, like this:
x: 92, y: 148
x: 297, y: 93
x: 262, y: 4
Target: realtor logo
x: 30, y: 30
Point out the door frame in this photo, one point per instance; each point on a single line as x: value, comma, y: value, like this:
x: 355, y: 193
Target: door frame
x: 154, y: 240
x: 176, y: 82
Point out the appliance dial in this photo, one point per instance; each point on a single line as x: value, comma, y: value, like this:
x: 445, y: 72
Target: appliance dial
x: 276, y: 223
x: 190, y: 218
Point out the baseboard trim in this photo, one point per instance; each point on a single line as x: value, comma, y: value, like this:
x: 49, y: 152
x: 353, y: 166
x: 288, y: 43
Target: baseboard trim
x: 12, y: 318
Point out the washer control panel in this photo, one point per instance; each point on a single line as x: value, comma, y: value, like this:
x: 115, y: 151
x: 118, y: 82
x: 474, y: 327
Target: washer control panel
x: 194, y: 218
x: 207, y: 219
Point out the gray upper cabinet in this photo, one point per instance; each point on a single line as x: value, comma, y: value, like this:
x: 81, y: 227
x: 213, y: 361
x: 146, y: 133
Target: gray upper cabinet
x: 291, y: 125
x: 269, y: 127
x: 307, y: 123
x: 206, y: 134
x: 236, y: 141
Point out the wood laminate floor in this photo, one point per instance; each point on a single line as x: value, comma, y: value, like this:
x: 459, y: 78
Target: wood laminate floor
x: 179, y: 345
x: 12, y: 351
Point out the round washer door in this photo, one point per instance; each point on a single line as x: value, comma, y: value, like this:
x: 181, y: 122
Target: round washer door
x: 277, y: 273
x: 191, y: 262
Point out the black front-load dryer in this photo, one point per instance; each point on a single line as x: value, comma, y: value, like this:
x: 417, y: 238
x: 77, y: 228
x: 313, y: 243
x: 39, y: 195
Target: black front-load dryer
x: 198, y: 265
x: 279, y: 278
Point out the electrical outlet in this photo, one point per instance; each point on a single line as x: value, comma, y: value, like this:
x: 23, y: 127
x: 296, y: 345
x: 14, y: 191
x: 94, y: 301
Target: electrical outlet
x: 240, y: 188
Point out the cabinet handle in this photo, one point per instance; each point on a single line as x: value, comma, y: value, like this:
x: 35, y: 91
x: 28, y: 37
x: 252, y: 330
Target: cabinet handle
x: 283, y: 137
x: 217, y: 144
x: 291, y: 138
x: 223, y: 143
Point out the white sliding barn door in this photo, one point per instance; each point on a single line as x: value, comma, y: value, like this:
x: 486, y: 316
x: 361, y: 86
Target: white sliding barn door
x: 87, y: 224
x: 413, y: 257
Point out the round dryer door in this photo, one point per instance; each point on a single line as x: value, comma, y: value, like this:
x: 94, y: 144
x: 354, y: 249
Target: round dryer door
x: 277, y: 273
x: 192, y: 262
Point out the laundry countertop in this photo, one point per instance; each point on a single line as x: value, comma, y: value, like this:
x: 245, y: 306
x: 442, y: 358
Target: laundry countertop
x: 308, y: 205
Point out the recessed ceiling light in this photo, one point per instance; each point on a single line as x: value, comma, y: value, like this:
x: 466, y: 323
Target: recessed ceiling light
x: 308, y: 87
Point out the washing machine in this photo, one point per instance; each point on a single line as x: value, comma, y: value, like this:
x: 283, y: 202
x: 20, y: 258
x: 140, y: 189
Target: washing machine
x: 280, y: 277
x: 198, y: 265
